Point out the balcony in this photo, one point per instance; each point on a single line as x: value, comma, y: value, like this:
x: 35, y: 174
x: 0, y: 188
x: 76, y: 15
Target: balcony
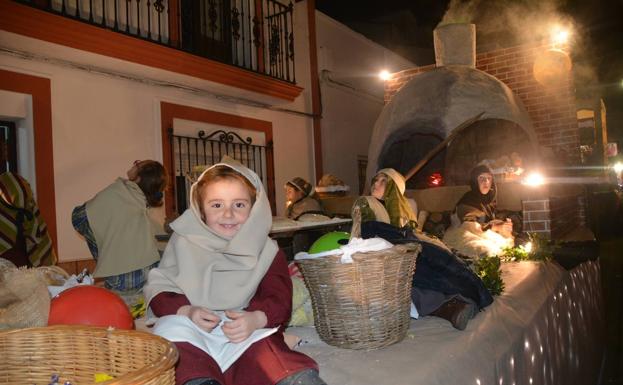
x: 254, y: 36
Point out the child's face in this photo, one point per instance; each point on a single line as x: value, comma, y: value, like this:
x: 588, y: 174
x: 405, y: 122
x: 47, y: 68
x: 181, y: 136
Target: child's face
x: 226, y: 206
x: 485, y: 180
x: 292, y: 194
x: 379, y: 184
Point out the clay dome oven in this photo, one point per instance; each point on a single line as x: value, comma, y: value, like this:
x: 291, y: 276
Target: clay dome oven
x: 430, y: 105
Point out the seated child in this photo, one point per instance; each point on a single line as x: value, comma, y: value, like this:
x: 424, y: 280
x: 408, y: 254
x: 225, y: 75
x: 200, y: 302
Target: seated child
x: 301, y: 201
x: 220, y: 258
x: 476, y: 230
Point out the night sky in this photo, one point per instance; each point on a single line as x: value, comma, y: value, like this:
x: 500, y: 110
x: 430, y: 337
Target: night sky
x: 405, y: 27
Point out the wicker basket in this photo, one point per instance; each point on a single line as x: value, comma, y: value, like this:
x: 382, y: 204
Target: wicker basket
x: 76, y: 353
x: 364, y: 304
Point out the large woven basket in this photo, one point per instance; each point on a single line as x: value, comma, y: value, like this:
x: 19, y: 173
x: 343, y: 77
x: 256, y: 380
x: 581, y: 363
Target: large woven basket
x: 364, y: 304
x: 76, y: 353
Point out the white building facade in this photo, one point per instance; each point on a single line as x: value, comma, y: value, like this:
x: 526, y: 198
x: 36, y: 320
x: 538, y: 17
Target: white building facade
x: 87, y: 101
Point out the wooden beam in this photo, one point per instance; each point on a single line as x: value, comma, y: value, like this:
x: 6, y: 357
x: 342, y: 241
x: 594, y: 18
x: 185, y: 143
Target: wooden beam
x: 441, y: 145
x: 315, y: 88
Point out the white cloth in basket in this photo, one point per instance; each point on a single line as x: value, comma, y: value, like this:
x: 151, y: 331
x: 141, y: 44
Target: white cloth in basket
x: 355, y: 245
x: 74, y: 280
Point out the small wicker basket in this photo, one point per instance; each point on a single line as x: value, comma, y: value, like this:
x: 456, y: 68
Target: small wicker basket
x: 76, y: 353
x: 364, y: 304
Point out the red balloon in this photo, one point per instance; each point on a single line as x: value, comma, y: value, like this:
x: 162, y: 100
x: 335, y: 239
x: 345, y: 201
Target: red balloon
x: 90, y: 305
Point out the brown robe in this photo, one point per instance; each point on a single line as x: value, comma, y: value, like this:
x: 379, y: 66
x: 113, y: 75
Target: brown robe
x: 306, y: 205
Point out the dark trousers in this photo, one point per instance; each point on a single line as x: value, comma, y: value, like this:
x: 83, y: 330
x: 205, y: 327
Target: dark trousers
x: 436, y: 269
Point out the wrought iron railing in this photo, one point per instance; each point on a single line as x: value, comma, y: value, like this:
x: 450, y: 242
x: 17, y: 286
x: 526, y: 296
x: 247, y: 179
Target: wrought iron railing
x: 256, y: 35
x: 191, y: 155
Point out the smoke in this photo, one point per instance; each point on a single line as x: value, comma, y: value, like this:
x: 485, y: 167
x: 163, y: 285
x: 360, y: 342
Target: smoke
x: 507, y: 22
x: 460, y: 11
x: 586, y: 80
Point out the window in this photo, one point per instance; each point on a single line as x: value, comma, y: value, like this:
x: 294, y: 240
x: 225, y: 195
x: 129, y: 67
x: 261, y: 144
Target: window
x: 8, y: 147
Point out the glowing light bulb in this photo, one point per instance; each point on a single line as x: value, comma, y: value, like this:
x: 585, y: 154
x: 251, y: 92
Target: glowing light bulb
x: 385, y: 75
x: 559, y: 35
x: 618, y: 166
x: 534, y: 179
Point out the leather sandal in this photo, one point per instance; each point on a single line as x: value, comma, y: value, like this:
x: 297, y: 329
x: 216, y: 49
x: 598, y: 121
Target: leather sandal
x: 457, y: 312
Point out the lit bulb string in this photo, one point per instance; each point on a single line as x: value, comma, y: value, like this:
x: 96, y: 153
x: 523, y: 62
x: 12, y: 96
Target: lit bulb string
x: 577, y: 179
x: 148, y: 81
x: 598, y: 168
x: 326, y: 78
x: 586, y: 180
x: 574, y: 180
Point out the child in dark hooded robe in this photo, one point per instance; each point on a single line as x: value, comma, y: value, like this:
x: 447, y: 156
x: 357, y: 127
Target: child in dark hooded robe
x: 477, y: 231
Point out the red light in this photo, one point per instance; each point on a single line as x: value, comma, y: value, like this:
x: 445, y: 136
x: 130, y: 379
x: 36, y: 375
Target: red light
x: 435, y: 180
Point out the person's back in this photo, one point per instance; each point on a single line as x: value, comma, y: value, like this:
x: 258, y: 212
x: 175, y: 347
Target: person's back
x: 118, y: 230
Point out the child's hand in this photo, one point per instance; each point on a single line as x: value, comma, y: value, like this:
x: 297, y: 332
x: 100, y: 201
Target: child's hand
x: 203, y: 317
x: 505, y: 228
x: 242, y: 324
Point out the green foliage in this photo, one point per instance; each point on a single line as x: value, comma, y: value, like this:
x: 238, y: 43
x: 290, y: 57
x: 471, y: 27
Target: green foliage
x: 488, y: 269
x: 514, y: 254
x: 542, y: 250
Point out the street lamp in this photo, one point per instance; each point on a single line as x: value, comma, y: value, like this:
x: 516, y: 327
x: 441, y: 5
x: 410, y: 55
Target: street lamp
x: 385, y: 75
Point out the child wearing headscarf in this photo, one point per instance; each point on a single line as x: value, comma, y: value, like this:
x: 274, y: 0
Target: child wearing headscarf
x: 301, y: 200
x: 386, y: 203
x: 220, y: 259
x: 476, y: 231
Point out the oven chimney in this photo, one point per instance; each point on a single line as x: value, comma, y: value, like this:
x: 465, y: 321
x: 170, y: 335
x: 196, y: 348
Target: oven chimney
x: 455, y: 44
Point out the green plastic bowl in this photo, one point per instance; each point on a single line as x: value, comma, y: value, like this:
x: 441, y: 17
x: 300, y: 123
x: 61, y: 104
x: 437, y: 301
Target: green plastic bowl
x: 329, y: 241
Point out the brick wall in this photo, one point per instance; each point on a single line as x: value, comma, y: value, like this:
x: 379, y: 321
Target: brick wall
x: 536, y: 217
x: 552, y: 109
x: 564, y: 214
x: 554, y: 217
x: 401, y: 78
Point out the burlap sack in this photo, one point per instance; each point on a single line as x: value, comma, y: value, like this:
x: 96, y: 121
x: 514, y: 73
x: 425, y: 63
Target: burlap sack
x: 5, y: 264
x: 24, y: 299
